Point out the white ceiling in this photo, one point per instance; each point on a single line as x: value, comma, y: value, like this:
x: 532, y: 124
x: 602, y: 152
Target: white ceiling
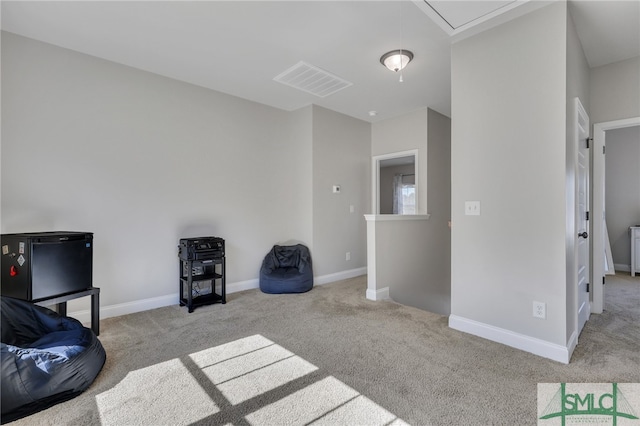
x: 458, y: 14
x: 608, y: 30
x: 238, y: 47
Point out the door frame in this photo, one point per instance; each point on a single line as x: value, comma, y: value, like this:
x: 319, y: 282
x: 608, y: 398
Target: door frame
x: 598, y: 206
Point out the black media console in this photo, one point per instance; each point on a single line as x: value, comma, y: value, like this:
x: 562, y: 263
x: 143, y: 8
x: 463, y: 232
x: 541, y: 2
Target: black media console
x: 202, y: 271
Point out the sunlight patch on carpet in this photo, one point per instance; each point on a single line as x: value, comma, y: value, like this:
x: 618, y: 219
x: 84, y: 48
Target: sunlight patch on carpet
x: 360, y: 411
x: 225, y: 371
x: 326, y: 402
x: 237, y: 348
x: 265, y: 379
x: 181, y: 391
x: 154, y: 394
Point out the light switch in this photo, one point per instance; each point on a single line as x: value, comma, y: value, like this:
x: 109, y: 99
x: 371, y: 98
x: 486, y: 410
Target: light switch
x: 336, y: 189
x: 472, y: 208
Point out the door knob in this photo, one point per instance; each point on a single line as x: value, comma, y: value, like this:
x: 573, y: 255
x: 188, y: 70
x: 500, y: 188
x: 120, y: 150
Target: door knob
x: 584, y: 235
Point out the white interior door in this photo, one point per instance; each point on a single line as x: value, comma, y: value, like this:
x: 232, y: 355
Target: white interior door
x: 582, y: 219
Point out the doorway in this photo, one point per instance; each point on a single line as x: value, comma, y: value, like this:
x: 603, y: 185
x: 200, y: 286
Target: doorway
x: 599, y: 207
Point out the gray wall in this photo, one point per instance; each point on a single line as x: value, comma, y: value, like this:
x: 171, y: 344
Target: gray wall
x: 405, y: 133
x: 577, y: 87
x: 439, y: 201
x: 341, y: 156
x: 413, y: 257
x: 300, y: 132
x: 409, y: 263
x: 142, y: 160
x: 614, y: 91
x: 614, y: 96
x: 509, y: 152
x: 622, y: 191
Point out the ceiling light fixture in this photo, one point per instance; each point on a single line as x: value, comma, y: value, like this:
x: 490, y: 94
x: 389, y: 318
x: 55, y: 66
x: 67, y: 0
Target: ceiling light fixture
x: 396, y: 59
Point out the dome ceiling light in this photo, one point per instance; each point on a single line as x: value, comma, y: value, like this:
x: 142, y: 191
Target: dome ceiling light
x: 396, y: 60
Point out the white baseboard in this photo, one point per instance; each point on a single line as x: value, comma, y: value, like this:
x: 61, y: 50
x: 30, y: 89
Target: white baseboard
x: 571, y: 345
x: 119, y: 309
x: 339, y: 276
x: 622, y: 267
x: 379, y: 294
x: 243, y: 285
x: 515, y: 340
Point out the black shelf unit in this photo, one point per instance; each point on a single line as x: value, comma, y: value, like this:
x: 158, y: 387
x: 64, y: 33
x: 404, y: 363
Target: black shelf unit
x: 202, y: 272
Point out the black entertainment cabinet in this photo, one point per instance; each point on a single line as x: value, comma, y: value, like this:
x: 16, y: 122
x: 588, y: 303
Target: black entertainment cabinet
x: 202, y: 272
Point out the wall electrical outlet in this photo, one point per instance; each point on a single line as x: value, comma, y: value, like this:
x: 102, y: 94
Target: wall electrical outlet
x: 539, y: 310
x: 472, y: 208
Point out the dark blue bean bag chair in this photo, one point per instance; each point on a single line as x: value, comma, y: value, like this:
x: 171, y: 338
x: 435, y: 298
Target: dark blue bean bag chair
x: 46, y: 358
x: 287, y: 269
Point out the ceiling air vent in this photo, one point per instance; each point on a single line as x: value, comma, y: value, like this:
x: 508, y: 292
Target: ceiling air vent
x: 312, y: 80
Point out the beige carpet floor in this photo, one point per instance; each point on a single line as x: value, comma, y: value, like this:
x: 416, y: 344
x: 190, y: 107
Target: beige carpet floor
x: 332, y: 357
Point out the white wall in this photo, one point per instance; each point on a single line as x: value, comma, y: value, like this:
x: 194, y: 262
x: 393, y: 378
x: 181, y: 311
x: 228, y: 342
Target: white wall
x: 142, y: 160
x: 405, y: 133
x: 614, y: 91
x: 622, y: 191
x: 508, y: 152
x: 341, y: 156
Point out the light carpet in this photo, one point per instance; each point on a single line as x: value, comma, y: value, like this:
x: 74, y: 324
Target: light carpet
x: 330, y: 356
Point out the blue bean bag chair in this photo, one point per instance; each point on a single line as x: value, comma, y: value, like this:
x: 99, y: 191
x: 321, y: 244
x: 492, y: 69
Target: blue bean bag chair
x: 287, y: 269
x: 46, y: 358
